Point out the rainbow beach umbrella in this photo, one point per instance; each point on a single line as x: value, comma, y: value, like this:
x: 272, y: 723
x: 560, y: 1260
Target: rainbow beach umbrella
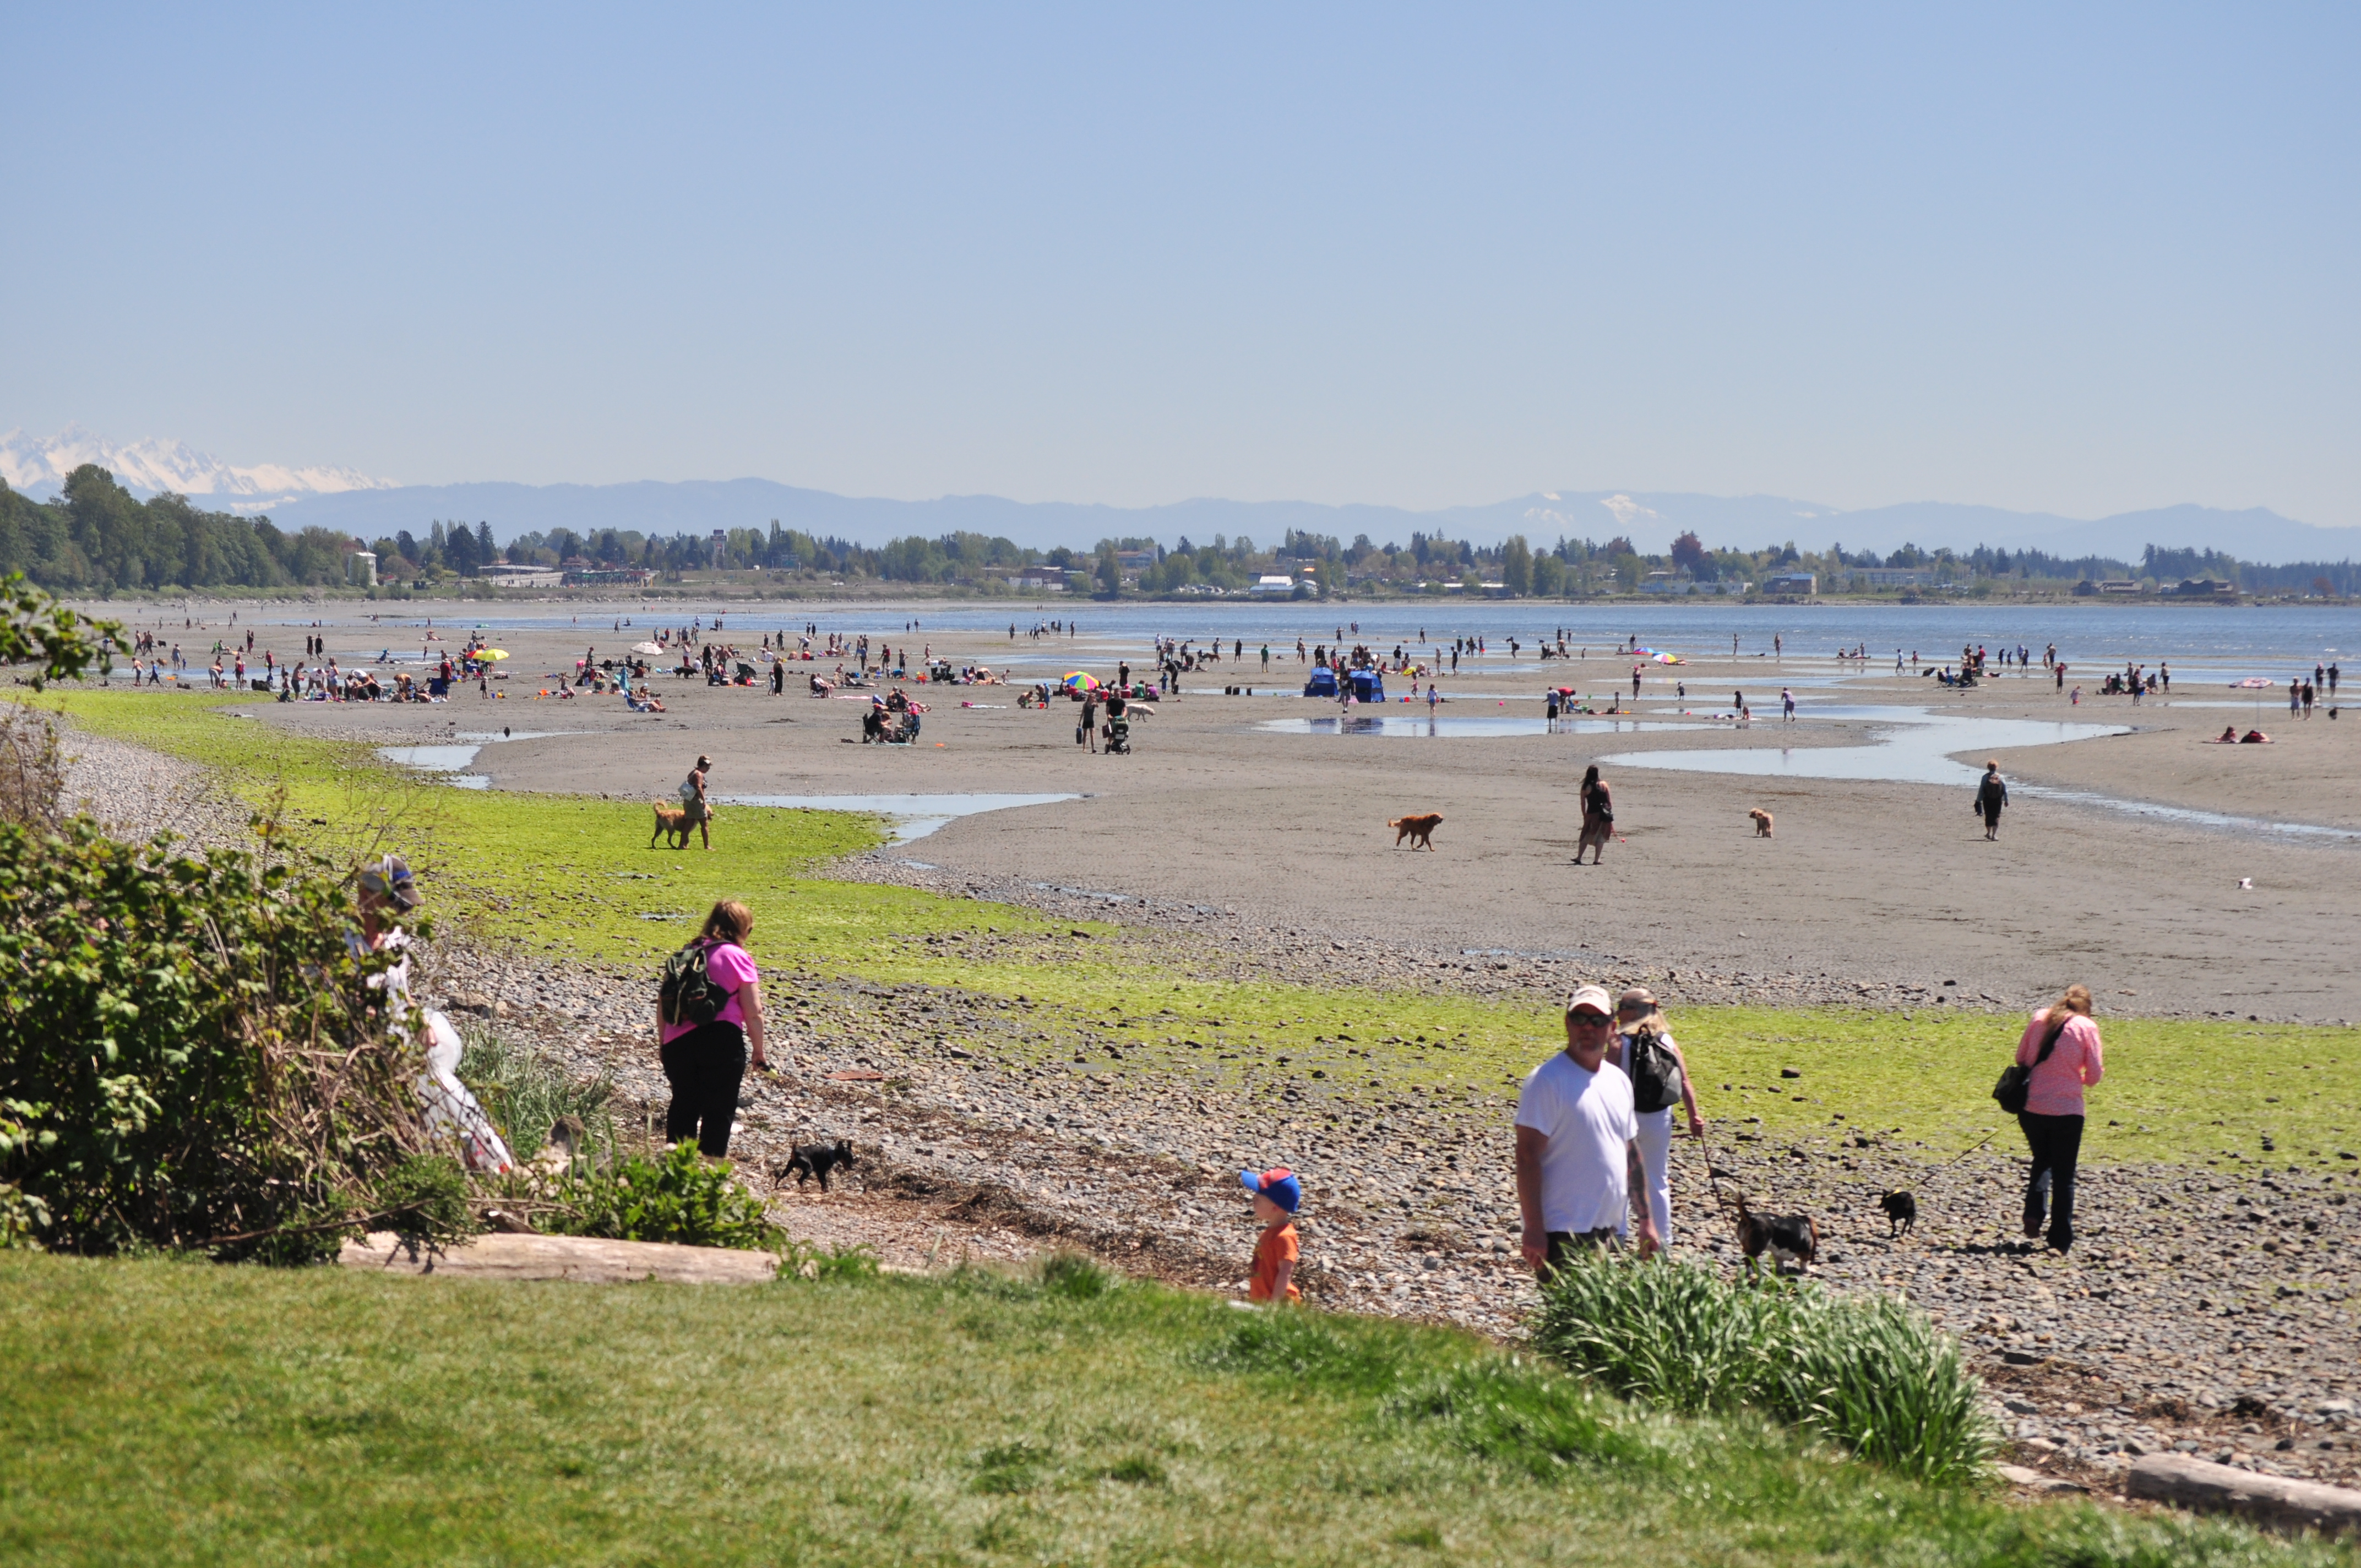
x: 1081, y: 681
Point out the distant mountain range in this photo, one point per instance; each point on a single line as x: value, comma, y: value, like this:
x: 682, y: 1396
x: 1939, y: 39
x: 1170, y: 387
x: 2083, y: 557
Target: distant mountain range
x: 372, y: 508
x: 38, y: 467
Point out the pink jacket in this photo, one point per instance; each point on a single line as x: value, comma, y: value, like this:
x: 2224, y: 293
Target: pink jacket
x: 2057, y: 1087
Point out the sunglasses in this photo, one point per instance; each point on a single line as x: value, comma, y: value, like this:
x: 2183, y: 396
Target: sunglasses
x: 1588, y: 1017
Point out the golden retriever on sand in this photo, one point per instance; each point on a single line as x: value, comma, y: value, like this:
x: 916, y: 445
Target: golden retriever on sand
x: 1418, y: 831
x: 1762, y: 822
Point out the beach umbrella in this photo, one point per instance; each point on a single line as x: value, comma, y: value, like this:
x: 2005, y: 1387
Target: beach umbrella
x: 491, y: 652
x: 2258, y: 685
x: 1078, y: 680
x: 652, y: 650
x: 1668, y: 658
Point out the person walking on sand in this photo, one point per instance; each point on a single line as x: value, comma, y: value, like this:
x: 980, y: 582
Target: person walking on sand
x: 1578, y: 1163
x: 2061, y: 1046
x: 1598, y: 816
x: 696, y: 810
x: 1991, y: 794
x: 1644, y: 1049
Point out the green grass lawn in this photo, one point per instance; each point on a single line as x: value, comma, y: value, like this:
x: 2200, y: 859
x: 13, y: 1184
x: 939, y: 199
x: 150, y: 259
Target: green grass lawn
x: 168, y: 1412
x: 572, y: 875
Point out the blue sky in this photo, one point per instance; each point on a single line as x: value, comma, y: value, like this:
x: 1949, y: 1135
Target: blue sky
x: 2082, y: 259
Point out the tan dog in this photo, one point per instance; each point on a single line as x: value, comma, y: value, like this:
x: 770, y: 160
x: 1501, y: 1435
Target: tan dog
x: 1418, y: 831
x: 1762, y: 822
x: 671, y: 826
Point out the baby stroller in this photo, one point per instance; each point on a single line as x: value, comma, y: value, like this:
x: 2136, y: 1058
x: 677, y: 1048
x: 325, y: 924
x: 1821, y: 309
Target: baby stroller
x: 1118, y: 737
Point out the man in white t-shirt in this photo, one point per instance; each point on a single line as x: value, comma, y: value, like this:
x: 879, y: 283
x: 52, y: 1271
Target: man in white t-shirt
x: 1577, y: 1143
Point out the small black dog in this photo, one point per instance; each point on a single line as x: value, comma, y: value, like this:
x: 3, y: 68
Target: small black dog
x: 1786, y: 1237
x: 1901, y: 1214
x: 814, y: 1159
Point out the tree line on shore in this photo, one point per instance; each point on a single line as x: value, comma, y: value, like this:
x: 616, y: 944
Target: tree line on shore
x: 97, y: 537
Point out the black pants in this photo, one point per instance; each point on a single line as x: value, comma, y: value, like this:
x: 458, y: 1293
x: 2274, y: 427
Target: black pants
x: 2057, y: 1144
x: 1563, y: 1244
x: 705, y: 1068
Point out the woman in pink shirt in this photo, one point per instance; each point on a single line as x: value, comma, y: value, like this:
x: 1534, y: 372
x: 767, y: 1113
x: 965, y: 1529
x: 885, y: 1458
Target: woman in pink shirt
x: 2061, y: 1046
x: 706, y: 1063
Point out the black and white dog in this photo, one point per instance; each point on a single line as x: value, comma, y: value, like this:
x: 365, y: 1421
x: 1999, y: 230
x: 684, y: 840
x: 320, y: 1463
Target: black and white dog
x: 1788, y: 1238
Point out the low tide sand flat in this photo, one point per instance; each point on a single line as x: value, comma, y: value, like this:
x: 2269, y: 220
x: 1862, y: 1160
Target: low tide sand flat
x: 1864, y: 875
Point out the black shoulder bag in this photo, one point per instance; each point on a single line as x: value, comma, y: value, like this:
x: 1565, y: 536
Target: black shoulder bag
x: 2016, y: 1080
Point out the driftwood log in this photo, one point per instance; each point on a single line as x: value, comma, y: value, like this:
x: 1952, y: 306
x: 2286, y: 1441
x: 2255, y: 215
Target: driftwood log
x: 579, y: 1258
x: 2273, y: 1500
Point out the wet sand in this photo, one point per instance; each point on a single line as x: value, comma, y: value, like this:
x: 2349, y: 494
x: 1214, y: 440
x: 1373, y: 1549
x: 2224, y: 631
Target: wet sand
x: 1865, y: 880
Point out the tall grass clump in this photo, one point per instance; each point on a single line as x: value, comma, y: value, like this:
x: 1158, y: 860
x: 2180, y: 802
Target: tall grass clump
x: 525, y: 1093
x: 1870, y: 1375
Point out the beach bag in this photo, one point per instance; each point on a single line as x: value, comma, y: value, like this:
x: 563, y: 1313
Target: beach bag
x: 1655, y: 1074
x: 2016, y: 1080
x: 687, y: 994
x: 688, y: 790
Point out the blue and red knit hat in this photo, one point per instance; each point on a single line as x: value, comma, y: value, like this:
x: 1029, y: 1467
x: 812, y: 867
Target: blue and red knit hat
x: 1277, y: 1184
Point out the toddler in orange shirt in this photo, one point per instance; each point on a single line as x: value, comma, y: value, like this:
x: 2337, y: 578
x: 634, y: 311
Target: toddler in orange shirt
x: 1277, y: 1195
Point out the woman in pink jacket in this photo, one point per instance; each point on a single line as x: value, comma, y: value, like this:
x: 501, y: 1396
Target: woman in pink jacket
x: 2061, y: 1046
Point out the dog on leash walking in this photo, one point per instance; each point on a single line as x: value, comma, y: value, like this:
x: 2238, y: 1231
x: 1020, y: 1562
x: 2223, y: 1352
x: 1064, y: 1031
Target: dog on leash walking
x: 1788, y: 1238
x: 1418, y: 831
x: 1762, y: 822
x: 1901, y: 1214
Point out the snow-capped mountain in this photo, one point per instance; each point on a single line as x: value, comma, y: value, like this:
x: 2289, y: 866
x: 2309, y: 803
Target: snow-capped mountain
x: 38, y: 467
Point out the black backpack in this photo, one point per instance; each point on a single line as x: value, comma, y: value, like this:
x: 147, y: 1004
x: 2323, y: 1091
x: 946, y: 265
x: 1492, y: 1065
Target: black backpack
x: 2016, y: 1085
x: 687, y: 994
x: 1655, y: 1073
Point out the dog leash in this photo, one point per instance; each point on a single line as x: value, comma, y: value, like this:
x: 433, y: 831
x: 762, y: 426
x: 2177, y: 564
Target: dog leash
x: 1966, y: 1152
x: 1714, y: 1179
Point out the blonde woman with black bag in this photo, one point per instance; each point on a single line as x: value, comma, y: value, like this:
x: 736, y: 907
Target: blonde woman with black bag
x: 2058, y: 1057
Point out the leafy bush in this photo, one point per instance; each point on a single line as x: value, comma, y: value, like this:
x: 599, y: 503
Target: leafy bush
x: 190, y: 1058
x: 1870, y: 1374
x: 676, y: 1196
x: 525, y: 1093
